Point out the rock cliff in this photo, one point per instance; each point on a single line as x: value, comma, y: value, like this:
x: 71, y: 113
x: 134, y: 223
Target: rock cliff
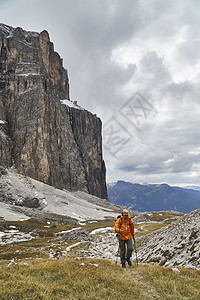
x: 42, y: 132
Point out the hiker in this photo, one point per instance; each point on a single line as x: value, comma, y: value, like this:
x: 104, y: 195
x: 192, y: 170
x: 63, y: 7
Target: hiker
x: 124, y: 227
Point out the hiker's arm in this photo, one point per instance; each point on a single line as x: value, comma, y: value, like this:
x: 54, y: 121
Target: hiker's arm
x: 117, y: 229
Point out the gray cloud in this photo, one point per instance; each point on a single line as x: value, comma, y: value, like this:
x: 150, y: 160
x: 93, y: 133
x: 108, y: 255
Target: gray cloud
x: 151, y: 161
x: 185, y: 162
x: 162, y: 63
x: 100, y: 25
x: 189, y: 51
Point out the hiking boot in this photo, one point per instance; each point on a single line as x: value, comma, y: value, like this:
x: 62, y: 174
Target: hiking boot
x: 129, y: 262
x: 123, y: 266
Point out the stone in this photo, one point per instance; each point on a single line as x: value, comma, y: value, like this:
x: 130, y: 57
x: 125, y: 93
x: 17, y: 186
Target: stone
x: 28, y: 202
x: 3, y: 171
x: 175, y: 270
x: 78, y: 235
x: 95, y: 265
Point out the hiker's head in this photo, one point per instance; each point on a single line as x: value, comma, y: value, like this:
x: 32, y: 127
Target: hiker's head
x: 125, y: 213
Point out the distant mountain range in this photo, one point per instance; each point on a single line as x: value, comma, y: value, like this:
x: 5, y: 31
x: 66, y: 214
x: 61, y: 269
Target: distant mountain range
x: 153, y: 197
x: 192, y: 187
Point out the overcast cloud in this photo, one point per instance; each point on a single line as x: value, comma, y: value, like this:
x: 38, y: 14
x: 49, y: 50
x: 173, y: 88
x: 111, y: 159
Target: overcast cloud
x: 136, y: 64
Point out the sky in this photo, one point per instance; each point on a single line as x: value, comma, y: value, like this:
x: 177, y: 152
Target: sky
x: 136, y: 64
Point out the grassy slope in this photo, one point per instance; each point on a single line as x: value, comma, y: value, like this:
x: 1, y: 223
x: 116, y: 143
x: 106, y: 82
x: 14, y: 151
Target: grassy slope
x: 67, y: 279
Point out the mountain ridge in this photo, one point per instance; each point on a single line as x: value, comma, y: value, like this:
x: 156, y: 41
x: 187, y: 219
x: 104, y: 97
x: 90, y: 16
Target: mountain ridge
x: 153, y: 197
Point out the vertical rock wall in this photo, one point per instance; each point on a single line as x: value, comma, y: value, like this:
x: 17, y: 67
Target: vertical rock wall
x: 86, y: 128
x: 42, y: 137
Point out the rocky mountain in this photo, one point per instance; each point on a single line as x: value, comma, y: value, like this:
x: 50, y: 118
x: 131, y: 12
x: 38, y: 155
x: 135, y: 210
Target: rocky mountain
x: 178, y: 244
x: 42, y: 133
x: 153, y: 197
x: 192, y: 187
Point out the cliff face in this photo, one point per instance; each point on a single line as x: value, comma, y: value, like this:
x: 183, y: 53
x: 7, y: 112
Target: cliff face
x: 86, y: 128
x: 47, y: 139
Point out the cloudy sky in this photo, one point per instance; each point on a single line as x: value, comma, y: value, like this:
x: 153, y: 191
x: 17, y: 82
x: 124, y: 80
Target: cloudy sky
x: 136, y: 64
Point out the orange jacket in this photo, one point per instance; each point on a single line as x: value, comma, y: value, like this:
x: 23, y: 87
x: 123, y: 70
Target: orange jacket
x: 128, y: 230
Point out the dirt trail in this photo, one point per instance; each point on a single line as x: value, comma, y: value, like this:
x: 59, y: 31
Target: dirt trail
x: 147, y: 289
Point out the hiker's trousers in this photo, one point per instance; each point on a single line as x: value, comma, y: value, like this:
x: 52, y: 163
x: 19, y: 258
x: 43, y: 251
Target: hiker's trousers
x: 122, y: 246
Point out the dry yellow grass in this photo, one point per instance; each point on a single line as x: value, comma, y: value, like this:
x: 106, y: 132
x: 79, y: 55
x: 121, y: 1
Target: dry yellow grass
x: 68, y: 279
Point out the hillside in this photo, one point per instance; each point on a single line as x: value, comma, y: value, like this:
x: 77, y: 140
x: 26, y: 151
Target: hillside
x: 23, y: 198
x: 153, y: 197
x: 66, y: 247
x: 79, y: 261
x: 177, y: 244
x: 88, y: 279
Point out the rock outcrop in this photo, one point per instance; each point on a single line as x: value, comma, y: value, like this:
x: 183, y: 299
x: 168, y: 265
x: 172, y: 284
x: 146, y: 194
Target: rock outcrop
x: 42, y: 132
x: 177, y: 244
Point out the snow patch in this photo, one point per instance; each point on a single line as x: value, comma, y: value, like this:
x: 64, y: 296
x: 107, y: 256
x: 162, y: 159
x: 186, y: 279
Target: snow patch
x: 69, y: 103
x: 12, y: 236
x: 27, y: 74
x: 102, y: 230
x: 74, y: 245
x: 67, y: 231
x: 24, y: 219
x: 82, y: 224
